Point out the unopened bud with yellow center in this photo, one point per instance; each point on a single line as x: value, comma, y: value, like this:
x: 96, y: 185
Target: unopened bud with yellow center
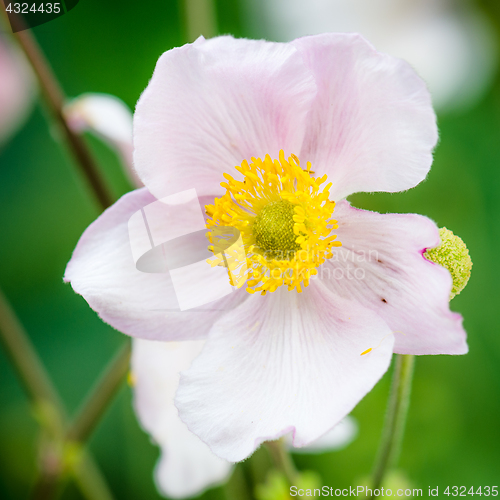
x: 454, y: 256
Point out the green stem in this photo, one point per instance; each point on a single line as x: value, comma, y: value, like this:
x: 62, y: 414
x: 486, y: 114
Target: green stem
x: 55, y: 99
x: 47, y: 487
x: 46, y: 402
x: 17, y: 343
x: 86, y: 474
x: 25, y: 359
x: 282, y: 460
x: 89, y: 479
x: 101, y: 394
x: 395, y: 420
x: 200, y: 19
x: 237, y: 487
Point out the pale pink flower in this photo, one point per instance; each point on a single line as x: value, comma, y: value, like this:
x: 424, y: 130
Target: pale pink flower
x: 287, y: 361
x: 17, y: 89
x: 187, y: 466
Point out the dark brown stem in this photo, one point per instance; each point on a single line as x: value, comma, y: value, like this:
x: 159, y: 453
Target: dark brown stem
x: 55, y: 99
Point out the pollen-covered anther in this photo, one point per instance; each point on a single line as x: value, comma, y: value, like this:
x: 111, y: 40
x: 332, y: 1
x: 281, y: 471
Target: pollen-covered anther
x: 284, y: 217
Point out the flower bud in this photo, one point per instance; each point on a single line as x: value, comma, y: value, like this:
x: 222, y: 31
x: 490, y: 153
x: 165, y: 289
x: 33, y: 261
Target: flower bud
x: 454, y: 256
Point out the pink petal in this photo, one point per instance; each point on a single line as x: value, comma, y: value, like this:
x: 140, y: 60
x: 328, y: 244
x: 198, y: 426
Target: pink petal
x: 137, y: 303
x: 280, y: 363
x: 372, y: 126
x: 17, y: 89
x: 187, y: 466
x: 380, y: 265
x: 214, y: 103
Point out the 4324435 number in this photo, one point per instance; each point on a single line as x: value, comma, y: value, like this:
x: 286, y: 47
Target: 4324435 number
x: 34, y: 8
x: 462, y: 491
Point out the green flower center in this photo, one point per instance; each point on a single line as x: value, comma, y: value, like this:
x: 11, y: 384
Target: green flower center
x: 273, y: 229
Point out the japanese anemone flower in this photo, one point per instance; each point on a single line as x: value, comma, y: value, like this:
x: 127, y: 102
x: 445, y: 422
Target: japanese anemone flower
x: 186, y: 467
x: 299, y: 355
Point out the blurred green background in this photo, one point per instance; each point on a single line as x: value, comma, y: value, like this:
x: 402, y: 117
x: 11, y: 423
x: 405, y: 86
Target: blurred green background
x: 453, y: 432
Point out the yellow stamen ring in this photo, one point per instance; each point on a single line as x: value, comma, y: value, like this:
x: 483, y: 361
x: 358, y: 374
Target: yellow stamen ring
x: 284, y: 218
